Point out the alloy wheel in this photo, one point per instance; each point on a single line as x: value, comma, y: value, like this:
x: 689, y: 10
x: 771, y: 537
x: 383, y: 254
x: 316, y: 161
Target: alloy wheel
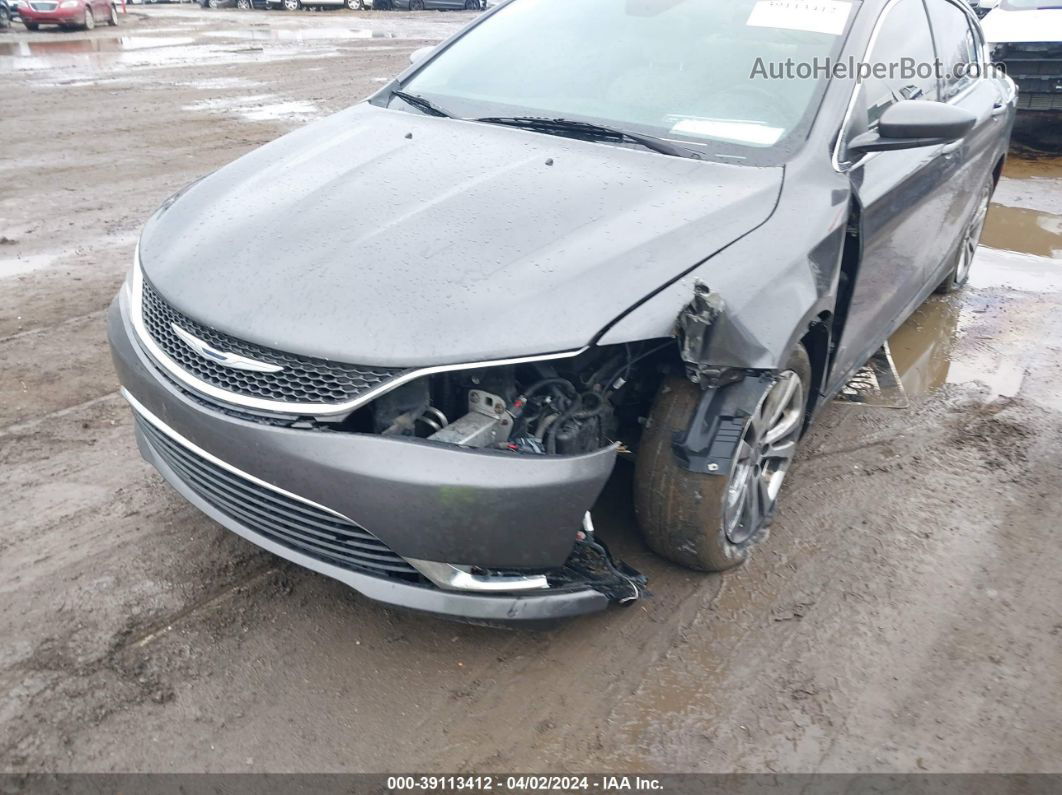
x: 292, y: 5
x: 764, y: 455
x: 972, y: 237
x: 114, y: 16
x: 90, y: 21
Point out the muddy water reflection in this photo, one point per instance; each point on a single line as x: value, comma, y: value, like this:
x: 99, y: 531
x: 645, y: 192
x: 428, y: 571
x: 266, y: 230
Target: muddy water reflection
x: 962, y: 338
x: 1027, y: 231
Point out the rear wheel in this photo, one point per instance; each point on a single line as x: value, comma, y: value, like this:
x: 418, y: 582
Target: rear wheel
x: 471, y: 5
x: 243, y: 5
x: 292, y: 5
x: 416, y: 5
x: 971, y: 238
x: 5, y: 19
x: 90, y: 21
x: 709, y: 522
x: 112, y: 18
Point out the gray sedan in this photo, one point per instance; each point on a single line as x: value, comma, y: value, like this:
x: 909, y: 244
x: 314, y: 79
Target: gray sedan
x: 588, y: 233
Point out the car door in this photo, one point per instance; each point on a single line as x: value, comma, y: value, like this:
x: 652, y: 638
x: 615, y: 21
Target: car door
x: 905, y: 196
x: 960, y: 51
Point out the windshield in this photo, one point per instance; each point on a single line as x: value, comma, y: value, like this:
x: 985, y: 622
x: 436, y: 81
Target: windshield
x: 1030, y: 5
x: 692, y: 71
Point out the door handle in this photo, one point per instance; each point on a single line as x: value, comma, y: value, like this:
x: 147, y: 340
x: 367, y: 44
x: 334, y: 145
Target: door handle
x: 952, y: 148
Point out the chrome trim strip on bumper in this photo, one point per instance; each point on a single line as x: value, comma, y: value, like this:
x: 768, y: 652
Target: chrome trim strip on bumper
x: 136, y: 316
x: 444, y: 575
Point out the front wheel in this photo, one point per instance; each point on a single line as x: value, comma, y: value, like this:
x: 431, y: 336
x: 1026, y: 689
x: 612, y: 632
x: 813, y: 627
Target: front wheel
x: 112, y: 18
x: 709, y: 522
x: 472, y: 5
x: 90, y: 21
x: 292, y: 5
x: 243, y: 5
x: 416, y: 5
x: 31, y: 26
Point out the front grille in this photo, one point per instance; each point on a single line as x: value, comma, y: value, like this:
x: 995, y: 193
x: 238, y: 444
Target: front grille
x: 276, y: 516
x: 303, y: 380
x: 1037, y: 69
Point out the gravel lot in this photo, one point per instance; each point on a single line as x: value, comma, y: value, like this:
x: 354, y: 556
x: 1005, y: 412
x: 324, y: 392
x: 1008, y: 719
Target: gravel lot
x: 904, y: 616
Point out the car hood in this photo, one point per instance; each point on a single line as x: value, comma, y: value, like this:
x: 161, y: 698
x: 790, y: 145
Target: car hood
x: 1006, y: 27
x: 388, y: 238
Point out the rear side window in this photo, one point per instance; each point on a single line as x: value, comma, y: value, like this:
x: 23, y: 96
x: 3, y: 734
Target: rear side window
x: 957, y: 47
x: 903, y: 53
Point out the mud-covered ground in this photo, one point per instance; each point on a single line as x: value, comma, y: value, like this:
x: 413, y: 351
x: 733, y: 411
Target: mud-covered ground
x: 905, y: 615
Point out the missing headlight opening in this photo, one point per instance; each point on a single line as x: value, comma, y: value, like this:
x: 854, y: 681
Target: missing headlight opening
x: 557, y: 407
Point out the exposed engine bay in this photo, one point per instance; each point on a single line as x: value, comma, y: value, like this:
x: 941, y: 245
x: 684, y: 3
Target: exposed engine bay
x: 553, y: 407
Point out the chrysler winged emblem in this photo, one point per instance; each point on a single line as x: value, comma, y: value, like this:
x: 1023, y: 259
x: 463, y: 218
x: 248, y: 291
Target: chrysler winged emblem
x: 224, y: 358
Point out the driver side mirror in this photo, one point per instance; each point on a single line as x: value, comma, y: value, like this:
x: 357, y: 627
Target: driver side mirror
x: 912, y: 123
x: 419, y: 55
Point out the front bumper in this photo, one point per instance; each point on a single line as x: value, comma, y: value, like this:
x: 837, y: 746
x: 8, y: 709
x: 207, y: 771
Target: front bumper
x: 424, y: 501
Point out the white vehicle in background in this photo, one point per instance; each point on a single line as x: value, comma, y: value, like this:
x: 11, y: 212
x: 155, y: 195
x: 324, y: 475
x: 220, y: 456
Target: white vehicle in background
x: 1026, y: 37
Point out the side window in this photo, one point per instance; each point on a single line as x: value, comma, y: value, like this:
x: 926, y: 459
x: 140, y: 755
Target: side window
x: 957, y: 46
x: 902, y: 61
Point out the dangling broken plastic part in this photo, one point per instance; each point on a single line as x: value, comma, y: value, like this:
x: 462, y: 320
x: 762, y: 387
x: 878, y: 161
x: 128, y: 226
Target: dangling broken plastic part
x: 592, y: 564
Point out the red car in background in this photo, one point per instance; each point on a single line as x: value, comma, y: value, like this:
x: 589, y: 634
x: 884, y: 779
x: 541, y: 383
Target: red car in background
x: 67, y: 13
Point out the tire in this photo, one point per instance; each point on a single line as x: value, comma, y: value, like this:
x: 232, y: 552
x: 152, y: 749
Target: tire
x: 416, y: 5
x: 292, y: 5
x: 5, y: 19
x: 356, y: 5
x: 31, y: 26
x: 243, y: 5
x: 971, y: 237
x: 684, y: 516
x: 90, y: 20
x: 471, y: 5
x: 112, y: 18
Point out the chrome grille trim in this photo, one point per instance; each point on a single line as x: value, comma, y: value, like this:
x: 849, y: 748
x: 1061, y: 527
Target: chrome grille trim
x: 136, y: 316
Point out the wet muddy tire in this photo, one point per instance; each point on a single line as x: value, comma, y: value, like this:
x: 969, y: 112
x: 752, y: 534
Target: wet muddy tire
x: 683, y: 516
x: 112, y: 17
x: 971, y: 237
x: 90, y: 20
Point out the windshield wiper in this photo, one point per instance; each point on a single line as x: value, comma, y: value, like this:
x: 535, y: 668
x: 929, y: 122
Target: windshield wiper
x: 592, y: 131
x: 420, y: 103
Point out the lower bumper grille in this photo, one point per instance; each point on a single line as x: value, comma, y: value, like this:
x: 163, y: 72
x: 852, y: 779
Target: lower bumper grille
x: 294, y: 524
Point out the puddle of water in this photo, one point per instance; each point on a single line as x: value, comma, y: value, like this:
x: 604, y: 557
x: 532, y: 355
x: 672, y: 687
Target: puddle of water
x: 221, y: 84
x: 257, y: 107
x: 304, y: 34
x: 19, y: 266
x: 924, y: 349
x: 1024, y: 230
x: 30, y: 49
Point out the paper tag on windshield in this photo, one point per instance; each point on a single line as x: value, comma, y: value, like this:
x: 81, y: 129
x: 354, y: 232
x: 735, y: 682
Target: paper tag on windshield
x: 813, y: 16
